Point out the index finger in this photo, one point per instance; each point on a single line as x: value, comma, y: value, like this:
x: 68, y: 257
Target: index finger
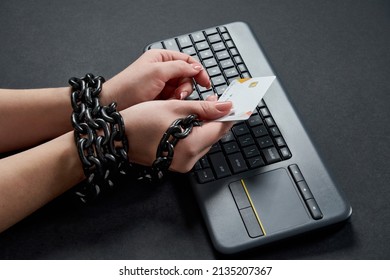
x: 168, y: 55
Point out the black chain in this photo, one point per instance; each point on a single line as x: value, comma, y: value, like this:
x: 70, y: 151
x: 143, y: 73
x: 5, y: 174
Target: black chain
x: 99, y: 134
x: 179, y: 129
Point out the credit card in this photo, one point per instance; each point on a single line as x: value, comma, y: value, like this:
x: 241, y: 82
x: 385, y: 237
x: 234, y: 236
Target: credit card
x: 245, y: 94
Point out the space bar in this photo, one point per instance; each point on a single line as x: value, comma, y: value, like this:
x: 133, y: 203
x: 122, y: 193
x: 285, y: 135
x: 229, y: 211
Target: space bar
x: 220, y: 165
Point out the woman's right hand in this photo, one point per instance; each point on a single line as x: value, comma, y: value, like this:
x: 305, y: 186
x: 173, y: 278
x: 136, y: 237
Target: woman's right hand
x: 147, y: 122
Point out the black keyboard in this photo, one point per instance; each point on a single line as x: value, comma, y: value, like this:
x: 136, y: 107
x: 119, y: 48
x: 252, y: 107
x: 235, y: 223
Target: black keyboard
x: 249, y: 144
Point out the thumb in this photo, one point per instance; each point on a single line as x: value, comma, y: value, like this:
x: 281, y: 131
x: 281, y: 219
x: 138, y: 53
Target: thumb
x: 208, y: 110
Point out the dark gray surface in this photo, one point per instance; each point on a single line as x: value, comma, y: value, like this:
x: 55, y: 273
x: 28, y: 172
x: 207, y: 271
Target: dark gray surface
x: 333, y: 58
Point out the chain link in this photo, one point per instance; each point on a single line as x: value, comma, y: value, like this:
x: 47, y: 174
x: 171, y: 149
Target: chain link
x: 179, y: 129
x: 99, y: 133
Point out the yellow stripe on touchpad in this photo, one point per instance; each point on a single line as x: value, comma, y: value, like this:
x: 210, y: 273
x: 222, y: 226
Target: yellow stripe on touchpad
x: 253, y: 207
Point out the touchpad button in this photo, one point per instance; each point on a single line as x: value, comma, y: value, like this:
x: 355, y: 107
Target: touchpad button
x: 276, y: 201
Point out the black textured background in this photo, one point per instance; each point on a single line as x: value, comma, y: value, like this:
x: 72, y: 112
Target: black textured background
x: 333, y: 58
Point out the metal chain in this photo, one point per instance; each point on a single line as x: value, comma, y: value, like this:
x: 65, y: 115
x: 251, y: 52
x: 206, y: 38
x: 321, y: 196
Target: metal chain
x: 179, y: 129
x: 102, y: 145
x: 99, y: 134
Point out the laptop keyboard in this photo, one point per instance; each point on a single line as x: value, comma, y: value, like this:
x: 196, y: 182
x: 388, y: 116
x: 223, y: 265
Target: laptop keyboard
x: 249, y: 144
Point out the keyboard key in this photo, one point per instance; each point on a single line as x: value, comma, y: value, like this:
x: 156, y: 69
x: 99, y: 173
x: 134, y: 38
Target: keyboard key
x: 210, y: 62
x: 259, y: 131
x: 238, y: 59
x: 157, y: 45
x: 304, y: 190
x: 270, y: 121
x: 271, y: 155
x: 286, y: 154
x: 206, y: 94
x: 261, y: 104
x: 197, y: 166
x: 280, y: 142
x: 240, y: 129
x: 265, y: 112
x: 245, y: 75
x: 246, y: 140
x: 204, y: 162
x: 218, y: 46
x: 234, y: 52
x: 198, y: 36
x: 264, y: 142
x: 205, y: 175
x: 314, y: 209
x: 171, y: 45
x: 226, y: 36
x: 296, y: 173
x: 214, y: 38
x: 242, y: 68
x: 275, y: 131
x: 231, y: 79
x: 214, y: 71
x: 202, y: 46
x: 255, y: 162
x: 222, y: 55
x: 220, y: 165
x: 227, y: 63
x: 254, y: 120
x: 190, y: 51
x: 220, y: 89
x: 211, y: 31
x: 237, y: 162
x: 231, y: 147
x: 215, y: 148
x: 228, y: 40
x: 205, y: 54
x: 222, y: 29
x: 218, y: 80
x: 184, y: 41
x: 227, y: 137
x: 231, y: 72
x: 251, y: 151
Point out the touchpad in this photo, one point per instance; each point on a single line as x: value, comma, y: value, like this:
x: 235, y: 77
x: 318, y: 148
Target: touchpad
x: 276, y: 201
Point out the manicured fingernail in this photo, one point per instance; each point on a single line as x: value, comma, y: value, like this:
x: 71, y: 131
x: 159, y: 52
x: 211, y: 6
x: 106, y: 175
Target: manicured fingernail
x: 223, y: 106
x: 197, y: 66
x: 183, y: 95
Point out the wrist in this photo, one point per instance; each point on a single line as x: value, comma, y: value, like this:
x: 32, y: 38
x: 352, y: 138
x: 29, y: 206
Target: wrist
x: 99, y: 133
x: 108, y: 94
x: 114, y: 91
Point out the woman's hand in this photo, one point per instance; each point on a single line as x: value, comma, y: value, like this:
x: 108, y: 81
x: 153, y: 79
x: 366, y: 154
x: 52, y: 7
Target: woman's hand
x: 157, y: 74
x: 147, y: 122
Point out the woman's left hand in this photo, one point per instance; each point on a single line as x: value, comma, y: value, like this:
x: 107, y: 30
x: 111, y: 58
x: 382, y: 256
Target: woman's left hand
x: 157, y: 74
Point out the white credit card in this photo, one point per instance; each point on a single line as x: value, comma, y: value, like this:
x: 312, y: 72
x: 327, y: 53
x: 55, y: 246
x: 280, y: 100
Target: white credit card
x: 245, y: 94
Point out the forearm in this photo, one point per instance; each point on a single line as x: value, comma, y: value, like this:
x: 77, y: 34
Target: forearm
x: 32, y: 178
x: 29, y: 117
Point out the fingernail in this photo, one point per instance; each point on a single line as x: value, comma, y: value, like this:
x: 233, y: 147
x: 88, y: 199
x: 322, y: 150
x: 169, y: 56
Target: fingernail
x: 223, y: 106
x: 197, y: 66
x: 183, y: 95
